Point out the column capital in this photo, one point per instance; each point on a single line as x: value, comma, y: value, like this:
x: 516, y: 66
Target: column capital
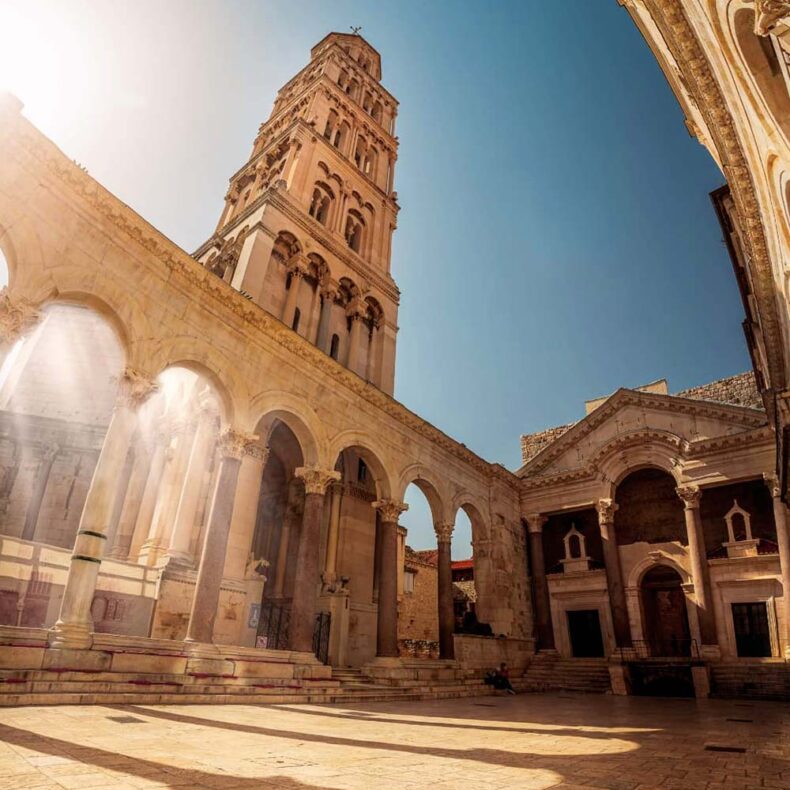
x: 329, y: 290
x: 315, y: 479
x: 769, y: 15
x: 134, y: 388
x: 690, y: 494
x: 235, y: 444
x: 258, y: 452
x: 444, y: 531
x: 772, y: 481
x: 16, y: 316
x: 297, y: 265
x: 356, y: 308
x: 606, y: 508
x: 390, y: 509
x: 535, y: 522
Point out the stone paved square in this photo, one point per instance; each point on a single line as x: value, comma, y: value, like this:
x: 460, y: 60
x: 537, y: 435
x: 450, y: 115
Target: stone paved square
x: 531, y: 741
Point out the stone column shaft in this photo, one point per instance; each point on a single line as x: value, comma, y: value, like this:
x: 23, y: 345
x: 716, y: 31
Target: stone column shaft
x: 74, y: 626
x: 306, y: 588
x: 355, y: 339
x: 544, y: 629
x: 37, y: 495
x: 292, y: 298
x: 445, y: 590
x: 245, y: 512
x: 145, y: 511
x: 212, y: 560
x: 614, y: 576
x: 387, y: 616
x: 322, y: 338
x: 184, y: 525
x: 691, y: 496
x: 333, y: 536
x: 783, y: 543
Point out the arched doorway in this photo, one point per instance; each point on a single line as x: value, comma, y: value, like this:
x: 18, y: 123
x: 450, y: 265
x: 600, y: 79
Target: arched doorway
x: 664, y: 613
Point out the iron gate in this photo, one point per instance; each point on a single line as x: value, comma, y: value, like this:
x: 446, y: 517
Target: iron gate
x: 273, y: 626
x: 323, y: 623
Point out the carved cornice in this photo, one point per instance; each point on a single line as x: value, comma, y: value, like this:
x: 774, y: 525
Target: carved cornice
x: 390, y: 509
x: 316, y: 480
x: 698, y: 77
x: 703, y: 447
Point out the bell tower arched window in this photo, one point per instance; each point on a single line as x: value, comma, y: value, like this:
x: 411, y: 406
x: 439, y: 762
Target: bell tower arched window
x: 321, y: 203
x: 354, y: 230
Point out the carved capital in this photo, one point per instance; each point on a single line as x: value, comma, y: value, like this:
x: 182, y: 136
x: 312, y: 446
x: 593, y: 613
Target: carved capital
x: 390, y: 509
x: 316, y: 480
x: 297, y: 265
x: 535, y: 522
x: 770, y: 13
x: 356, y: 308
x: 772, y: 481
x: 134, y: 388
x: 690, y: 494
x: 235, y: 444
x: 16, y: 317
x: 258, y: 452
x: 606, y: 509
x: 444, y: 531
x: 329, y: 290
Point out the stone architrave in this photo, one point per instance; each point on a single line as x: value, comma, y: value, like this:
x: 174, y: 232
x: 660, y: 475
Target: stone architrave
x: 231, y: 448
x: 544, y: 630
x: 387, y: 619
x: 306, y: 589
x: 691, y: 496
x: 614, y: 576
x: 74, y: 625
x: 444, y: 576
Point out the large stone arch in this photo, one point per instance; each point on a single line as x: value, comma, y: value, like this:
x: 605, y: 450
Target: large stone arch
x: 202, y: 362
x: 426, y: 481
x: 474, y: 508
x: 372, y: 454
x: 639, y: 450
x: 300, y: 418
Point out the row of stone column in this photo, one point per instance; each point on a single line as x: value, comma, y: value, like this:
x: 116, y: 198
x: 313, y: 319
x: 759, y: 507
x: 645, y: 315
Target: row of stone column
x: 700, y: 572
x: 355, y: 312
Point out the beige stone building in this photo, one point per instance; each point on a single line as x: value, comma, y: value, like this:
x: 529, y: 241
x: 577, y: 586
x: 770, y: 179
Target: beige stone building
x: 202, y: 465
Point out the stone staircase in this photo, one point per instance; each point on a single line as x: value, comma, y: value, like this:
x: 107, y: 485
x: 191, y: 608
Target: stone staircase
x: 759, y: 679
x: 550, y: 672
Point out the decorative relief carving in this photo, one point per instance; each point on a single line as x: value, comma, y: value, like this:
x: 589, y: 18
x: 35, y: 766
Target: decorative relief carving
x: 690, y: 494
x: 770, y: 13
x: 390, y: 509
x: 444, y: 531
x: 235, y: 444
x: 606, y: 509
x: 134, y: 388
x: 16, y: 316
x: 772, y: 481
x: 316, y: 480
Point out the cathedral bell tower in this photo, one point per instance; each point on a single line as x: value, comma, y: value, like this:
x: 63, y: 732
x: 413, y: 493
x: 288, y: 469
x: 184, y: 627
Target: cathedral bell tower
x: 307, y: 227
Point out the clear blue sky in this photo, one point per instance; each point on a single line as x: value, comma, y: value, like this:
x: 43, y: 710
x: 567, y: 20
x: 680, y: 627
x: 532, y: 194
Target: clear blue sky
x: 556, y: 239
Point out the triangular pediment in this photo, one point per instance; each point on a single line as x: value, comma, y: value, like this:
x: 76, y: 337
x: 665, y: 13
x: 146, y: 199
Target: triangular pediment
x: 675, y: 420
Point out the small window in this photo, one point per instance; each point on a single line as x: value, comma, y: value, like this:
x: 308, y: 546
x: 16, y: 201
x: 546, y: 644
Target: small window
x: 362, y: 472
x: 408, y: 582
x: 297, y: 316
x: 334, y: 346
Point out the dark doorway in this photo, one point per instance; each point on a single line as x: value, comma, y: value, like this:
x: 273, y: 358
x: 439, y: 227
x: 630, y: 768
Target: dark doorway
x: 751, y: 629
x: 666, y: 625
x: 584, y: 627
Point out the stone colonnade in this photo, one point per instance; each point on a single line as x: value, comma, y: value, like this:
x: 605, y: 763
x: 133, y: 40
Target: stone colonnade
x: 691, y: 496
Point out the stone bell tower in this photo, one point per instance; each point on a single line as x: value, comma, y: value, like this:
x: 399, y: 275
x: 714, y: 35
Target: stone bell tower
x: 307, y: 226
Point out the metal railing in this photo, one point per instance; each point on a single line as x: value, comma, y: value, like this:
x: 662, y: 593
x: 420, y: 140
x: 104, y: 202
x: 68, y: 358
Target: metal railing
x: 321, y: 629
x: 274, y: 626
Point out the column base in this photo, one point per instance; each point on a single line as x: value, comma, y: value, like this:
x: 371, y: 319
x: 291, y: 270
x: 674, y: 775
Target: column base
x: 710, y: 652
x: 70, y: 636
x: 701, y: 679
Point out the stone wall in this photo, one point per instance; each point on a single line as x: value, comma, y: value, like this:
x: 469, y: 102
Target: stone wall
x: 418, y: 616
